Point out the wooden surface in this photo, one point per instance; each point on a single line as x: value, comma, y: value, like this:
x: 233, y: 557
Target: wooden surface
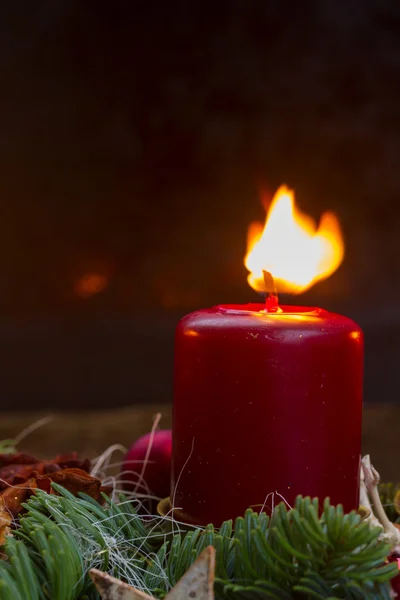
x: 91, y: 432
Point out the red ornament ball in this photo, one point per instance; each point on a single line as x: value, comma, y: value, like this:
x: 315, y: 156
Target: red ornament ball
x: 395, y: 582
x: 149, y: 471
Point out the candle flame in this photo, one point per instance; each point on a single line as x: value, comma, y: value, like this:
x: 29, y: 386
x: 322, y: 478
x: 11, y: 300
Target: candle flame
x: 291, y: 247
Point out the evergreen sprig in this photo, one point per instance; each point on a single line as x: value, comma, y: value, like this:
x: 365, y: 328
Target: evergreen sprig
x: 60, y: 538
x: 296, y: 554
x: 300, y: 554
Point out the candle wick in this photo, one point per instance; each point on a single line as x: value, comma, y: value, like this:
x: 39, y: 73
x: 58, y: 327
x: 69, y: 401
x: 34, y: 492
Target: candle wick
x: 271, y: 299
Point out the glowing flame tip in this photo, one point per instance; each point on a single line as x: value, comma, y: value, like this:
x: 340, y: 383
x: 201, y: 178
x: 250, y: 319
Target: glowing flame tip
x: 291, y: 247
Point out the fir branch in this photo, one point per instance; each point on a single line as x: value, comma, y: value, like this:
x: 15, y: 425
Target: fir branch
x: 298, y: 554
x: 60, y: 538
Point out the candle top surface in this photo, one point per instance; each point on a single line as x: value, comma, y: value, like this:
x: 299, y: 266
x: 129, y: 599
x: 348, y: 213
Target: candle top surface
x: 258, y: 308
x: 254, y: 316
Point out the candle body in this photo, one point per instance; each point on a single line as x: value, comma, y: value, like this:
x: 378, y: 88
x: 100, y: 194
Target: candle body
x: 265, y: 403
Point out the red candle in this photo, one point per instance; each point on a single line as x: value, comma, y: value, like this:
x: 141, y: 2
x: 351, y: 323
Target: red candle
x: 268, y: 400
x: 265, y: 402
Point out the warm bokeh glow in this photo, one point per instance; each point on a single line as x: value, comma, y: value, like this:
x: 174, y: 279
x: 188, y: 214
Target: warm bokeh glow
x: 90, y: 284
x: 291, y: 247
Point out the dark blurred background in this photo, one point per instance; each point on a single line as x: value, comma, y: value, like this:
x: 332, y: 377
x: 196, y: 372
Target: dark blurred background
x: 136, y: 139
